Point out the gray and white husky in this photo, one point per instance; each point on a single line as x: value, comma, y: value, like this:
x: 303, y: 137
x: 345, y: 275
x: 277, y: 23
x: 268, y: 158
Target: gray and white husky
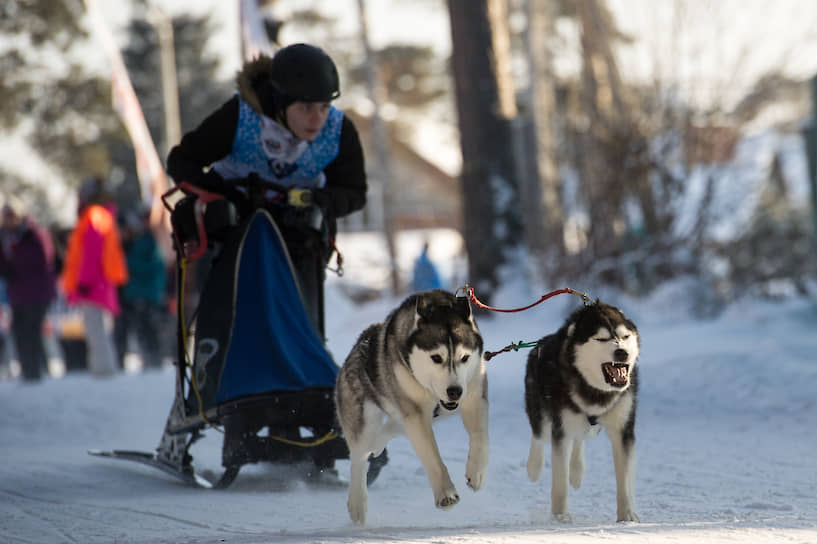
x: 422, y: 363
x: 578, y: 380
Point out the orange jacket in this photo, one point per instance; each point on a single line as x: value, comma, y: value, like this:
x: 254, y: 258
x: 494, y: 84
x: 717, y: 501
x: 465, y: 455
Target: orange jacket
x: 94, y: 261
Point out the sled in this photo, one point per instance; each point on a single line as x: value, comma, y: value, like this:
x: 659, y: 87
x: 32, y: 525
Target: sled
x: 249, y: 361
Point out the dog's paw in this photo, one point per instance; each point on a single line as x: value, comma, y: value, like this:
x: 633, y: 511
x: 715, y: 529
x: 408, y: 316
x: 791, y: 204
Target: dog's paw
x: 475, y: 473
x: 563, y: 517
x: 447, y: 498
x: 357, y: 506
x: 536, y: 460
x: 357, y: 512
x: 476, y: 481
x: 576, y: 476
x: 627, y: 515
x: 446, y: 495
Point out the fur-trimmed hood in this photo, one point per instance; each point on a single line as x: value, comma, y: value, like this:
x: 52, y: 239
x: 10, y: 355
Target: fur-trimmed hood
x: 248, y: 76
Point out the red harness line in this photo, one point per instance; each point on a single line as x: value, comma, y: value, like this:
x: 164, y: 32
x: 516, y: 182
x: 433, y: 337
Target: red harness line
x: 490, y: 354
x: 473, y: 298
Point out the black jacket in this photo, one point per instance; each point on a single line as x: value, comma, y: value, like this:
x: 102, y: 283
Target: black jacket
x: 212, y: 140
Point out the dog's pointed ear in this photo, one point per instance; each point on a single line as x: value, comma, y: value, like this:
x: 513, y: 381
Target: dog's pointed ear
x: 423, y: 307
x: 463, y: 307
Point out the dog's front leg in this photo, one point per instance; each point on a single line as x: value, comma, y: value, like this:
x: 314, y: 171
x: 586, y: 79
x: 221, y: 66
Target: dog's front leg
x: 358, y: 502
x: 420, y: 434
x: 475, y: 419
x: 624, y: 461
x: 560, y: 457
x: 390, y: 429
x: 577, y: 464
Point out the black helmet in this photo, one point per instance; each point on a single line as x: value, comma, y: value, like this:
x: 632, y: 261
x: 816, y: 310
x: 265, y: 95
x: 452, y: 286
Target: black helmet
x: 306, y: 73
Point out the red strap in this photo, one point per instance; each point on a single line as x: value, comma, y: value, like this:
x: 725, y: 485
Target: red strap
x: 203, y: 197
x: 473, y: 299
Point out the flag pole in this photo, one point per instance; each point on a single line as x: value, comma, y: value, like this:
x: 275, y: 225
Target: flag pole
x: 152, y: 178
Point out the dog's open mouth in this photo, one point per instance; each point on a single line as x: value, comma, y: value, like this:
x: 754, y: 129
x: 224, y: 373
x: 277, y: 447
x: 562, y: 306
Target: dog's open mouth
x: 616, y: 374
x: 450, y: 406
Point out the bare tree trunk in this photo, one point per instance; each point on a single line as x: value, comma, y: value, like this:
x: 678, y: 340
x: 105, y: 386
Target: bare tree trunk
x: 592, y: 166
x: 546, y: 200
x: 486, y: 109
x: 383, y: 159
x: 600, y: 71
x: 616, y: 157
x: 603, y: 103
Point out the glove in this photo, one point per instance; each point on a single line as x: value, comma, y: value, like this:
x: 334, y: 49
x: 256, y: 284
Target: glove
x: 255, y: 191
x: 303, y: 218
x: 320, y: 197
x: 252, y: 180
x: 300, y: 198
x: 212, y: 182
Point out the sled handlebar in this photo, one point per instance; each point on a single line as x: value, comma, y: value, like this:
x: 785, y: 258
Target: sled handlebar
x: 191, y: 249
x: 253, y: 191
x: 295, y: 196
x: 190, y: 226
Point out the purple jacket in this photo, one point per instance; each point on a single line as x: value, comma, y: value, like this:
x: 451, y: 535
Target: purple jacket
x: 27, y: 264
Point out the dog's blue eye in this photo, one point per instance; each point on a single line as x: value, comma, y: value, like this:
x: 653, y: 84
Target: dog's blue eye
x: 437, y: 359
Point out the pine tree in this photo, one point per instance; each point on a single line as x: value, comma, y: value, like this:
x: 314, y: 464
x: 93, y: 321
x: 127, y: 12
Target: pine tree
x: 50, y: 94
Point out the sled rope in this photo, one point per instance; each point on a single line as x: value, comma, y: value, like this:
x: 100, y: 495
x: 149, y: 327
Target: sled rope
x: 519, y: 345
x: 338, y: 260
x: 516, y: 347
x: 187, y: 362
x: 473, y: 298
x: 331, y: 435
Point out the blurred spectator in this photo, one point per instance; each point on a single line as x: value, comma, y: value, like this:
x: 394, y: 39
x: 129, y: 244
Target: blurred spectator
x: 4, y: 328
x: 425, y: 275
x: 93, y: 269
x: 143, y: 296
x: 27, y: 264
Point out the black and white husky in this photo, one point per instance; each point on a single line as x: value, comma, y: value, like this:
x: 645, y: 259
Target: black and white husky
x: 578, y: 380
x: 423, y: 362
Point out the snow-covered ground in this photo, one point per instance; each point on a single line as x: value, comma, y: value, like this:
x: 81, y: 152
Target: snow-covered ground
x: 725, y: 440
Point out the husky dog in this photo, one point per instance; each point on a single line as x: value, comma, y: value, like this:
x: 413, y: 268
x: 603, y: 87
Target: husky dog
x: 423, y: 362
x: 579, y: 379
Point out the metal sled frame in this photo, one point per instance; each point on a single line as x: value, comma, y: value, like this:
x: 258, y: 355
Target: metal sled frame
x: 284, y: 415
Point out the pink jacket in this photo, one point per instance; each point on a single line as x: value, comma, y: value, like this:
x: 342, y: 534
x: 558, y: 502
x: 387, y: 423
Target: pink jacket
x: 94, y: 261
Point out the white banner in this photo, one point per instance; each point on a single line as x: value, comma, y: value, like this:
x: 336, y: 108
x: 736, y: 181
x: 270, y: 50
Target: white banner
x: 254, y: 40
x: 149, y: 169
x: 152, y: 178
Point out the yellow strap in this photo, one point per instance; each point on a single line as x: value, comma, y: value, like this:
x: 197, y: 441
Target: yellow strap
x: 325, y: 438
x: 187, y: 362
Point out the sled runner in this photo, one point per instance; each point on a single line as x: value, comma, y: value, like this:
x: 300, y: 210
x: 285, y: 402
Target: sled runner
x: 250, y: 361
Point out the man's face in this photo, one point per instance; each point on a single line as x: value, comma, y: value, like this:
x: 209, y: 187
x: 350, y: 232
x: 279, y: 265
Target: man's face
x: 9, y: 218
x: 305, y: 119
